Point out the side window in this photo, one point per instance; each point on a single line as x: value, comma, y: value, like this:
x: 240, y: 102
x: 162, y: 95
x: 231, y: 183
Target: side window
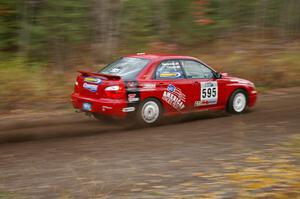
x: 195, y: 69
x: 169, y: 69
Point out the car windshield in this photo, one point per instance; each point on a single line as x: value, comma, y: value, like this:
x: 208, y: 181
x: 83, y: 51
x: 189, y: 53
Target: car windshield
x: 126, y: 67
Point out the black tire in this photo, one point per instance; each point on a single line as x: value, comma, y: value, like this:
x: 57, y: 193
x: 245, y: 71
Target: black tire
x: 231, y: 108
x: 153, y: 104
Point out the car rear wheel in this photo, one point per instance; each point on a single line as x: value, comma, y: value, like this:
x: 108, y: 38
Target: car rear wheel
x: 150, y: 112
x: 237, y: 102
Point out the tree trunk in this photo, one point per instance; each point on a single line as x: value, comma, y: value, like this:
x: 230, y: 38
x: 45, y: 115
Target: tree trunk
x: 106, y: 28
x: 24, y: 34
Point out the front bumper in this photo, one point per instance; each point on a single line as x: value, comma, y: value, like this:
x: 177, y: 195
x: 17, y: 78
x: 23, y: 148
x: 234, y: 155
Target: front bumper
x: 110, y: 107
x: 252, y: 98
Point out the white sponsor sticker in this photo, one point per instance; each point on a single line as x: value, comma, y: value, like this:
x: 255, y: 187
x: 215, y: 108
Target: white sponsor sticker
x: 132, y: 98
x: 171, y: 65
x: 128, y: 109
x: 91, y: 87
x: 104, y: 108
x: 115, y: 70
x: 148, y: 86
x: 208, y: 94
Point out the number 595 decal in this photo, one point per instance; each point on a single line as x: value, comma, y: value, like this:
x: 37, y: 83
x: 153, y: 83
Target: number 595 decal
x: 208, y: 94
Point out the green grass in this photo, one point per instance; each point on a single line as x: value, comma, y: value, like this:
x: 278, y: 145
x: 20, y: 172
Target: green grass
x: 7, y: 195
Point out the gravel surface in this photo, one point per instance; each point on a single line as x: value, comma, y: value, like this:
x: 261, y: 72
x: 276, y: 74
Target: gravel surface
x: 210, y: 155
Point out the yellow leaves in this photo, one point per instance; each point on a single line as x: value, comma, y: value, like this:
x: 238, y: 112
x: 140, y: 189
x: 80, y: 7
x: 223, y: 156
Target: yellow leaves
x: 271, y: 173
x: 187, y: 184
x: 209, y: 196
x: 256, y: 185
x: 230, y: 167
x: 136, y: 190
x: 158, y: 175
x: 198, y: 174
x: 65, y: 195
x: 261, y: 183
x: 296, y: 185
x: 141, y: 184
x: 285, y: 174
x: 254, y: 159
x: 263, y: 172
x: 175, y: 161
x: 244, y: 176
x: 251, y: 170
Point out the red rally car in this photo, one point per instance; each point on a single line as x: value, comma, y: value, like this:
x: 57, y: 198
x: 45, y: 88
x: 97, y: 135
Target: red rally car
x: 149, y: 86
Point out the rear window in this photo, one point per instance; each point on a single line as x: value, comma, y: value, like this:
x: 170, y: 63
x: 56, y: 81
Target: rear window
x: 126, y: 67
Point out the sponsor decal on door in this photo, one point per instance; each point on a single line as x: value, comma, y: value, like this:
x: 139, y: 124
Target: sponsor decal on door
x: 208, y: 94
x: 175, y: 97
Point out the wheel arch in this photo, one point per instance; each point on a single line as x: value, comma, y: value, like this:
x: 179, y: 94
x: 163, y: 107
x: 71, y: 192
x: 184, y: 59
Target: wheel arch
x: 156, y: 98
x: 235, y: 89
x: 140, y: 107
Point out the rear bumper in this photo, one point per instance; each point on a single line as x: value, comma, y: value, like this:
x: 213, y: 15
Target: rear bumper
x: 110, y: 107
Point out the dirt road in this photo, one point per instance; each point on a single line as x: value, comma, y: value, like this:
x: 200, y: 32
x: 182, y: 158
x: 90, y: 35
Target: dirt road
x: 254, y: 155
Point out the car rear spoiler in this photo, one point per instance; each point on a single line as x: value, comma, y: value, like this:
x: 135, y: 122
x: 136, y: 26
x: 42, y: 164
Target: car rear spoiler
x: 110, y: 77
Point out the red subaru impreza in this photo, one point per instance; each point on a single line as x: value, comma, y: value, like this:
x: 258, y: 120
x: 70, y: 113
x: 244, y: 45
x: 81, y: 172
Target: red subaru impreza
x: 149, y: 86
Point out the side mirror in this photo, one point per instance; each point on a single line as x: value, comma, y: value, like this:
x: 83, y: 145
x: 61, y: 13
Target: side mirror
x: 218, y: 75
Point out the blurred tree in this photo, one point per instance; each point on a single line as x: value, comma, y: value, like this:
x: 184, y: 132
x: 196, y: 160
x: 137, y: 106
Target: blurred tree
x: 58, y: 28
x: 138, y: 25
x: 105, y: 25
x: 8, y: 25
x: 57, y: 31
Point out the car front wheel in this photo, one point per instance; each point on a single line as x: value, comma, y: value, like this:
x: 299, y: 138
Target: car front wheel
x: 237, y: 102
x: 150, y: 112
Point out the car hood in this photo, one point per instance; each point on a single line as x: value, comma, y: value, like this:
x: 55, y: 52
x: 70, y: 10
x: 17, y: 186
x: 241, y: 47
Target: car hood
x: 238, y: 80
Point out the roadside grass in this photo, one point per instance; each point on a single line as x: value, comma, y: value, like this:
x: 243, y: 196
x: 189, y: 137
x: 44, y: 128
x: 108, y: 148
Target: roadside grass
x: 38, y: 87
x: 66, y: 195
x: 295, y: 146
x: 32, y: 87
x: 8, y: 195
x: 267, y: 68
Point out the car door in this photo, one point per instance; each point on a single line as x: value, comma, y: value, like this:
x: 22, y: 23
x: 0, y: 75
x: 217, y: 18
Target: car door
x: 174, y: 89
x: 207, y: 89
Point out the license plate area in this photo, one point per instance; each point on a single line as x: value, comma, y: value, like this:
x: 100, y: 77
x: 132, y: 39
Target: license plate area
x: 86, y: 106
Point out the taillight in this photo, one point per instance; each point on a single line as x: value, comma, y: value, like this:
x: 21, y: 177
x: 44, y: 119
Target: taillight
x: 114, y: 92
x: 112, y: 88
x: 76, y: 86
